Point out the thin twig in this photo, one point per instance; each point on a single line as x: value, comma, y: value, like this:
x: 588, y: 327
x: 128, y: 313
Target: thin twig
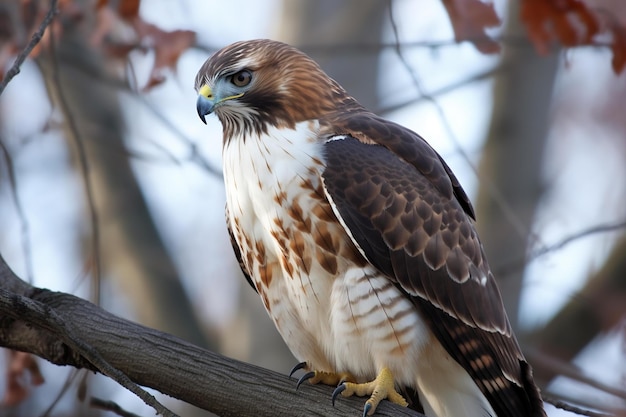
x: 484, y: 75
x: 36, y: 38
x: 514, y: 41
x: 68, y: 382
x: 110, y: 406
x: 194, y: 155
x: 24, y: 225
x: 569, y: 370
x: 83, y: 164
x: 521, y: 262
x: 572, y: 408
x: 601, y: 228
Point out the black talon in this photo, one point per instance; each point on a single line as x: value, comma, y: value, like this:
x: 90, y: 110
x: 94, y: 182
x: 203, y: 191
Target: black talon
x: 340, y: 388
x: 304, y: 377
x: 367, y: 408
x: 299, y: 366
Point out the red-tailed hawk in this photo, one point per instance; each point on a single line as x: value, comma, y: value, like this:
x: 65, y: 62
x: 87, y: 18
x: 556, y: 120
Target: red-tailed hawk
x: 360, y: 241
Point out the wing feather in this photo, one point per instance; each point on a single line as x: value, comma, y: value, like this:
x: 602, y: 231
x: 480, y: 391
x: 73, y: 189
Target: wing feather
x: 237, y: 251
x: 414, y: 224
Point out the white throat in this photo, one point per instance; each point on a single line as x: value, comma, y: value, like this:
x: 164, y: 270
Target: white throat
x: 258, y: 168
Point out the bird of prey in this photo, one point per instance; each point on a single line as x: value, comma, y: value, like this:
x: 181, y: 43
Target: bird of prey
x: 360, y: 242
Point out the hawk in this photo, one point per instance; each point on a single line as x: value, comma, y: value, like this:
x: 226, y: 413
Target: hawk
x: 360, y: 242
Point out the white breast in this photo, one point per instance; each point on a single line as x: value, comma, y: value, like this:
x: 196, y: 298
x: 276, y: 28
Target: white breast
x: 334, y: 311
x: 256, y: 170
x: 327, y: 316
x: 265, y: 177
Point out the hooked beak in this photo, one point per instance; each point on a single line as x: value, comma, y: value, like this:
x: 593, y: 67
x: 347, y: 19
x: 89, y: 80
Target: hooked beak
x: 205, y: 104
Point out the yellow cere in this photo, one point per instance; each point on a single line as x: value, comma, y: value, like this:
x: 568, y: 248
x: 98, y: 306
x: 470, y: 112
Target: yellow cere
x: 205, y: 91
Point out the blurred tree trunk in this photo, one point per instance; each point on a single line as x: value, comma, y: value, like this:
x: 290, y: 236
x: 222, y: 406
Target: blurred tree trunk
x: 129, y: 240
x: 330, y: 23
x: 510, y: 168
x: 599, y: 307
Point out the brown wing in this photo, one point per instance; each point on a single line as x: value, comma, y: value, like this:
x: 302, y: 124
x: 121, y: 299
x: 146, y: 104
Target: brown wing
x: 407, y: 213
x: 237, y: 251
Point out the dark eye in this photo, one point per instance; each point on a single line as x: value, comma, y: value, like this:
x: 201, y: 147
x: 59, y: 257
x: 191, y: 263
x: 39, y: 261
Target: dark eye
x: 242, y: 78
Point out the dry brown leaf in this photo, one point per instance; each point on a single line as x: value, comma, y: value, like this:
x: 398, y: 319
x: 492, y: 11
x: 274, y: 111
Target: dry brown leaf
x: 469, y: 20
x: 571, y: 23
x: 168, y: 47
x: 568, y: 21
x: 619, y: 49
x: 128, y: 9
x: 22, y: 372
x: 612, y: 25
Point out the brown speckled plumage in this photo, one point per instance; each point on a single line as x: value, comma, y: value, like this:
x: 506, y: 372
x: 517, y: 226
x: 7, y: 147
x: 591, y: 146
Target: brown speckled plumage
x: 367, y: 196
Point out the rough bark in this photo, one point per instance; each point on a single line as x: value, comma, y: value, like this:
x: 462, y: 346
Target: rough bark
x: 154, y: 359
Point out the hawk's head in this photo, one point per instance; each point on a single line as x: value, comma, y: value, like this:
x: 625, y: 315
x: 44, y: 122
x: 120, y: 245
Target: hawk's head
x: 251, y: 85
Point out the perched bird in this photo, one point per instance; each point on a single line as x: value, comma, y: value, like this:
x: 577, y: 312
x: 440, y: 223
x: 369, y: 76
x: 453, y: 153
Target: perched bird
x: 360, y: 242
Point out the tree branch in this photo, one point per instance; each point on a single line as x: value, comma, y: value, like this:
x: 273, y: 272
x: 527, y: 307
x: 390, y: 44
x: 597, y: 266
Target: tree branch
x: 19, y: 60
x: 158, y: 360
x: 520, y: 264
x: 42, y: 316
x: 110, y: 406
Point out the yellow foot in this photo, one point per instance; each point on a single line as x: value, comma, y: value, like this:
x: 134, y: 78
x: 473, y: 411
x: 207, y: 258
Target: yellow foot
x: 379, y: 389
x: 316, y: 377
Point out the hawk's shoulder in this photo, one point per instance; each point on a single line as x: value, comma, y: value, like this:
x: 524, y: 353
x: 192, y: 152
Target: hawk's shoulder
x: 411, y: 219
x: 402, y: 142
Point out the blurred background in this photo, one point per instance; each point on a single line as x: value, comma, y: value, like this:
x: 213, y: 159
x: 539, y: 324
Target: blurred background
x: 111, y: 187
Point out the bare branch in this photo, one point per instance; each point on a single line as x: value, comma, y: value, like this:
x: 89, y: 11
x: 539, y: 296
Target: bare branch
x: 567, y: 369
x: 601, y: 228
x: 66, y: 385
x: 194, y: 155
x: 572, y: 408
x: 335, y: 48
x: 443, y: 90
x: 36, y: 38
x: 110, y: 406
x: 521, y: 262
x: 58, y: 327
x: 43, y: 316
